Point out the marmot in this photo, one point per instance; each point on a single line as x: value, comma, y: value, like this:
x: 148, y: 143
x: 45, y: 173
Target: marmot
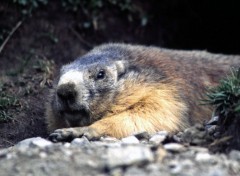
x: 122, y: 89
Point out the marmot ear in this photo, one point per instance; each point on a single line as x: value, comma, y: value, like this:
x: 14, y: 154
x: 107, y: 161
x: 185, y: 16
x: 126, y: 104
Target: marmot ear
x: 121, y: 67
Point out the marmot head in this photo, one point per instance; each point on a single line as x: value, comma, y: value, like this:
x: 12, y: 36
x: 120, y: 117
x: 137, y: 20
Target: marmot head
x: 87, y: 86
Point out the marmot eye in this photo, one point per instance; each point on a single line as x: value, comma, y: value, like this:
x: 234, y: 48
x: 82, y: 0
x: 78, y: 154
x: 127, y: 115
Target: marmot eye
x: 101, y: 74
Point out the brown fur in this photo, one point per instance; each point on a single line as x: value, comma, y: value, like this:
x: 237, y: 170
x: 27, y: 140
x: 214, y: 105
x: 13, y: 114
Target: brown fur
x: 143, y: 104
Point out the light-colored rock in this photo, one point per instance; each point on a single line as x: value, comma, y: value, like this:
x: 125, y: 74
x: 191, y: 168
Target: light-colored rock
x: 67, y: 144
x: 203, y: 157
x: 36, y: 142
x: 109, y: 139
x: 43, y: 155
x: 130, y: 140
x: 83, y: 141
x: 198, y: 149
x: 159, y: 137
x: 128, y: 155
x: 174, y: 147
x: 234, y: 155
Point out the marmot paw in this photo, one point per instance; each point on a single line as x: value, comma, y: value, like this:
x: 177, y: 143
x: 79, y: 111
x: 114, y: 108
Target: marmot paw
x: 68, y: 134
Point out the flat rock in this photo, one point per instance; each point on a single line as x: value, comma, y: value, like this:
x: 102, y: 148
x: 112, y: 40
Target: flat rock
x: 159, y: 137
x: 109, y: 139
x: 130, y: 140
x: 235, y: 155
x: 174, y: 147
x: 128, y: 155
x: 37, y: 141
x: 203, y: 157
x: 80, y: 141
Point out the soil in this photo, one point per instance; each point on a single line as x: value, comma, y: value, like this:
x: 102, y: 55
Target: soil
x: 51, y: 37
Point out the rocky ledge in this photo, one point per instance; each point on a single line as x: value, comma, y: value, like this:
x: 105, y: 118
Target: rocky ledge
x: 137, y: 155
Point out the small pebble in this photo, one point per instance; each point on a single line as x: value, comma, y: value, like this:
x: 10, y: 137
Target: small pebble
x: 203, y: 157
x: 213, y: 121
x: 37, y: 142
x: 130, y: 140
x: 67, y: 144
x: 83, y: 141
x: 174, y: 147
x: 43, y: 155
x: 142, y: 136
x: 158, y: 137
x: 3, y: 153
x: 128, y: 155
x: 109, y: 139
x: 212, y: 129
x: 42, y: 143
x: 198, y: 149
x: 67, y: 152
x: 235, y: 155
x: 178, y: 137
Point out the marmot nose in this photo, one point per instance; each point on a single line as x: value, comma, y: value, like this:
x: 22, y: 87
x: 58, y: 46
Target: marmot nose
x: 67, y: 92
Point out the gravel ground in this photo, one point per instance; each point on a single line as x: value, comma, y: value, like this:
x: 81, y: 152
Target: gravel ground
x: 138, y: 155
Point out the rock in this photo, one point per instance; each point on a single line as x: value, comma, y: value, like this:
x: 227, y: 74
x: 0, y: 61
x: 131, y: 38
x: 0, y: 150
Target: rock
x: 109, y: 139
x: 203, y: 157
x: 3, y: 153
x: 196, y: 135
x: 198, y: 149
x: 235, y: 155
x: 116, y: 172
x: 130, y: 140
x: 212, y: 129
x: 176, y: 167
x: 178, y: 137
x: 67, y: 145
x: 135, y: 171
x: 37, y: 142
x: 159, y: 137
x: 128, y: 155
x: 107, y: 144
x: 43, y: 155
x: 213, y: 121
x: 142, y: 136
x: 174, y: 147
x: 216, y: 172
x: 42, y: 143
x: 83, y: 141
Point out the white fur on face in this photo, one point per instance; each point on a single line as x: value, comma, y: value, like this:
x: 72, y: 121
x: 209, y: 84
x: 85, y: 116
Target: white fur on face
x: 75, y: 77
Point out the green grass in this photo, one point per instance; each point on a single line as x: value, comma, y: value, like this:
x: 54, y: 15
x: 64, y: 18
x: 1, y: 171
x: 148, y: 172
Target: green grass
x: 226, y: 97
